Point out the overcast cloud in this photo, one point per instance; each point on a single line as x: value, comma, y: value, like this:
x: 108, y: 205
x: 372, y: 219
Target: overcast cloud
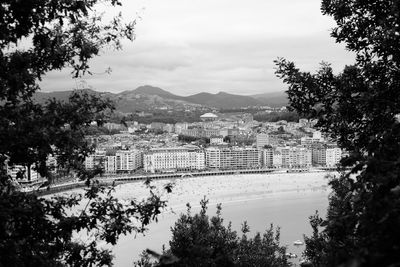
x: 187, y: 47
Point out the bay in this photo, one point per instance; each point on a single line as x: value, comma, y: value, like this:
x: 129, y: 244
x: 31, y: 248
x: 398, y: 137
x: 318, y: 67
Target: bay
x: 284, y: 199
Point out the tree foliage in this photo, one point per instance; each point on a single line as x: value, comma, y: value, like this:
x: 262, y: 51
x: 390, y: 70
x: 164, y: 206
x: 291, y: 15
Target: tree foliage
x: 37, y: 37
x: 40, y: 232
x: 358, y: 108
x: 276, y: 116
x: 198, y: 240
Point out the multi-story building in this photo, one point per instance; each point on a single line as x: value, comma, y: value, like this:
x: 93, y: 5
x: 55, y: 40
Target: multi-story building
x: 114, y: 161
x: 262, y: 140
x: 195, y: 132
x: 296, y: 157
x: 114, y: 126
x: 232, y: 157
x: 174, y: 159
x: 179, y: 127
x: 277, y: 159
x: 267, y: 156
x: 201, y: 132
x: 323, y: 155
x: 319, y: 155
x: 209, y: 132
x: 128, y: 160
x: 333, y: 156
x: 110, y: 164
x: 22, y: 172
x: 309, y: 141
x: 213, y: 157
x: 287, y: 156
x: 94, y: 160
x: 216, y: 140
x: 303, y: 157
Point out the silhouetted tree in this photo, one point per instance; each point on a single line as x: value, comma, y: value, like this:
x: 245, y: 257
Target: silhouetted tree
x: 198, y: 240
x: 358, y: 108
x: 36, y: 231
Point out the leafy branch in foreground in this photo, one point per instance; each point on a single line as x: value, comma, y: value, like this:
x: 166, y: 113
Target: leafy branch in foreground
x: 40, y: 232
x: 359, y: 109
x: 37, y: 37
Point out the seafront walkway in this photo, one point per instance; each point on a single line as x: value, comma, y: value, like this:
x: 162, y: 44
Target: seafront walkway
x: 126, y: 178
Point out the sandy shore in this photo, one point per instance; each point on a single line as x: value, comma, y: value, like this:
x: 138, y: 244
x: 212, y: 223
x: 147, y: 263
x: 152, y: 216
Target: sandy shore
x: 224, y: 189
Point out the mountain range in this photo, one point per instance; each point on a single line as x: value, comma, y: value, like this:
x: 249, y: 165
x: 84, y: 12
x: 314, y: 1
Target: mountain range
x: 148, y: 97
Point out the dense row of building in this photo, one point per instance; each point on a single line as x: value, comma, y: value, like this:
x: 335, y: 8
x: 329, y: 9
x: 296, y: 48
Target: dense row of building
x: 268, y: 151
x: 189, y: 157
x: 235, y: 141
x: 128, y: 153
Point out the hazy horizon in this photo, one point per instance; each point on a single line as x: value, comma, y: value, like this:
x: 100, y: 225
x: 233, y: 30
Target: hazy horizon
x: 178, y: 94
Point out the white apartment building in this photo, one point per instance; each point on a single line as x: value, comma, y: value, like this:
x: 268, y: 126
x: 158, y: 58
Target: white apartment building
x: 110, y: 164
x: 303, y: 157
x: 213, y: 157
x: 296, y: 157
x: 262, y: 139
x: 201, y: 132
x: 13, y: 170
x: 129, y: 160
x: 277, y: 159
x: 333, y: 156
x: 174, y: 159
x: 120, y: 160
x: 195, y: 132
x: 216, y: 140
x: 210, y: 132
x: 232, y: 157
x: 95, y: 159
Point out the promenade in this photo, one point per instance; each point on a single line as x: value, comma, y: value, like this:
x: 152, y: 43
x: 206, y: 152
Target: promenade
x: 125, y: 178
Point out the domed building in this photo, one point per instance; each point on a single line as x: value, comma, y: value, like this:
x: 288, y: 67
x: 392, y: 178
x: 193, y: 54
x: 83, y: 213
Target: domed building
x: 209, y: 117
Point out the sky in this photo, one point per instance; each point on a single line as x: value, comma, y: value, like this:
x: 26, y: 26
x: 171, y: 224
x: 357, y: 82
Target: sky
x: 187, y: 47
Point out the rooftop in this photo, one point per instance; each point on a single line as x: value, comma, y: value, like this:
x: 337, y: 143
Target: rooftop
x: 209, y: 115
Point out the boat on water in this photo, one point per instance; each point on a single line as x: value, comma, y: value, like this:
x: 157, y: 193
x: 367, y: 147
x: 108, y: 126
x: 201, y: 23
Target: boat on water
x: 298, y: 243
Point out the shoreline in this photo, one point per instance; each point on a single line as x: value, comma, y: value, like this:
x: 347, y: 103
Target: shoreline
x: 284, y: 199
x: 60, y: 188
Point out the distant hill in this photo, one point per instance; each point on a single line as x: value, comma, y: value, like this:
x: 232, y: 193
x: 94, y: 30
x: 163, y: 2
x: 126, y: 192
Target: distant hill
x: 41, y: 97
x: 151, y: 90
x: 274, y: 99
x: 223, y: 100
x: 147, y: 98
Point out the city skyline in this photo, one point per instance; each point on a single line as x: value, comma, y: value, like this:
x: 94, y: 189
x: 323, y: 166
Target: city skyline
x: 209, y: 46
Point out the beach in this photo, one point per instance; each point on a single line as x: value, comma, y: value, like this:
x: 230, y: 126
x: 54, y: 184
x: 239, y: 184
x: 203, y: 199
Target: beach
x: 284, y: 199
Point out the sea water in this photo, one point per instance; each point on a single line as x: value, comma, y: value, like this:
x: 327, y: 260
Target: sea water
x: 285, y: 200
